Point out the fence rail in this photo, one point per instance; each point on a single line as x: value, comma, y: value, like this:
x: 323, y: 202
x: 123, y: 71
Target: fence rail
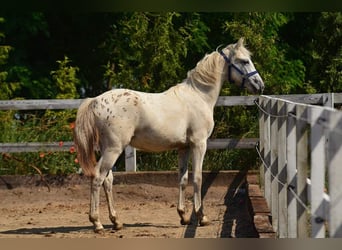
x: 301, y: 150
x: 130, y: 163
x: 245, y: 143
x: 130, y: 153
x: 321, y: 99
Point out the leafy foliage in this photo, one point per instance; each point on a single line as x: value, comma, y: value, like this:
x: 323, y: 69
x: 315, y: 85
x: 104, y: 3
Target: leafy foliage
x: 261, y: 33
x: 294, y: 53
x: 51, y: 126
x: 6, y: 88
x: 147, y: 49
x: 66, y: 79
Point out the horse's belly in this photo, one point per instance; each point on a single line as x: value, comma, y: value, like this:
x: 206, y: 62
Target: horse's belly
x: 157, y: 143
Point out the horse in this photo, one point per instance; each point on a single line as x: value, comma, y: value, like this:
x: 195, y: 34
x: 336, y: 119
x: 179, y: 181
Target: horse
x: 180, y: 118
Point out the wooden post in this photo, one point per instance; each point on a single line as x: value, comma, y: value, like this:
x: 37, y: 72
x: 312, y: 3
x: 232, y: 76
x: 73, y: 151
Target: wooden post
x: 130, y: 159
x: 282, y: 175
x: 267, y: 149
x: 274, y: 166
x: 262, y: 145
x: 302, y: 163
x: 335, y: 174
x: 328, y: 100
x: 317, y: 144
x: 291, y: 170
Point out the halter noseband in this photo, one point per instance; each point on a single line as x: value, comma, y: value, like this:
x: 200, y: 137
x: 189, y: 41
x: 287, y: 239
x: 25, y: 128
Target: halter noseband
x: 232, y: 65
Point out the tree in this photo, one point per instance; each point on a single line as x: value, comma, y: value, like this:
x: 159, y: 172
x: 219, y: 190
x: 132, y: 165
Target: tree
x: 282, y: 75
x: 66, y: 79
x: 6, y: 88
x: 327, y: 53
x: 25, y: 34
x: 148, y: 49
x: 316, y: 38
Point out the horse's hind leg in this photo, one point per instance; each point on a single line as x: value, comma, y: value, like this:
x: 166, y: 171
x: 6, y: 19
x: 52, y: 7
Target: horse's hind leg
x: 95, y: 199
x: 108, y: 187
x: 104, y: 165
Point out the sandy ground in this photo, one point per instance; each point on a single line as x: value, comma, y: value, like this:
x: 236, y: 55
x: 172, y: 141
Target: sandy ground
x: 31, y: 210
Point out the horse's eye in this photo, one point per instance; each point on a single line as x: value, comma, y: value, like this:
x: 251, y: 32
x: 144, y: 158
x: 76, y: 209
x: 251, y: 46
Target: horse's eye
x: 244, y: 62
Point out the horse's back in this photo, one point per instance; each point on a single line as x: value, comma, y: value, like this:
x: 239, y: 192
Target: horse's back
x: 153, y: 121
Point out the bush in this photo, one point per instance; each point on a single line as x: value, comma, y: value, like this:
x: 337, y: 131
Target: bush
x: 48, y: 126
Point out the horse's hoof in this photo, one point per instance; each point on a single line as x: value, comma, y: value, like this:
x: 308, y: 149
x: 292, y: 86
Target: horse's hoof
x: 117, y: 226
x: 185, y: 221
x: 204, y: 221
x: 99, y: 230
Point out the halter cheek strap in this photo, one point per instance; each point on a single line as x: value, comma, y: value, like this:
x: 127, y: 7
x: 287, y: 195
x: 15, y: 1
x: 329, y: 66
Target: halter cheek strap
x: 232, y: 65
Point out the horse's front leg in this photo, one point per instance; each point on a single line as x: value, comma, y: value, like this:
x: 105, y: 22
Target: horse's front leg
x: 183, y: 158
x: 198, y: 152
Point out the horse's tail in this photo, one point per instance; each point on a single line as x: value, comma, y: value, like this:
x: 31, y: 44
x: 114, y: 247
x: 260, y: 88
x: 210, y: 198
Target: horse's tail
x: 86, y: 136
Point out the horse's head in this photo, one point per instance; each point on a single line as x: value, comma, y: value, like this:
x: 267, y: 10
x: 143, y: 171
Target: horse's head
x: 241, y: 70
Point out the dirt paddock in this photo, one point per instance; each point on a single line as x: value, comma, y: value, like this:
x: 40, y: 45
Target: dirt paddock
x: 145, y: 201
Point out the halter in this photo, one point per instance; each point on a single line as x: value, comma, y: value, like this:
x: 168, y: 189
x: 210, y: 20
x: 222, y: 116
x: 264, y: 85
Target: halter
x: 232, y: 65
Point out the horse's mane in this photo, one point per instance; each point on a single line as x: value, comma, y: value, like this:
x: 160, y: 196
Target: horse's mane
x: 208, y: 70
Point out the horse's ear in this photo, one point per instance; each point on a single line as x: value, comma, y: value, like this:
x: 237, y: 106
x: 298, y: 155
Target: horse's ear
x: 240, y: 43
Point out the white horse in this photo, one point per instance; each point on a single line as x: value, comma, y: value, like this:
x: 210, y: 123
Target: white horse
x: 180, y: 118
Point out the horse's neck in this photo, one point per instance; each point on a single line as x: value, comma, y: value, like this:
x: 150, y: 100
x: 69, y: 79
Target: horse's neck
x: 209, y: 92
